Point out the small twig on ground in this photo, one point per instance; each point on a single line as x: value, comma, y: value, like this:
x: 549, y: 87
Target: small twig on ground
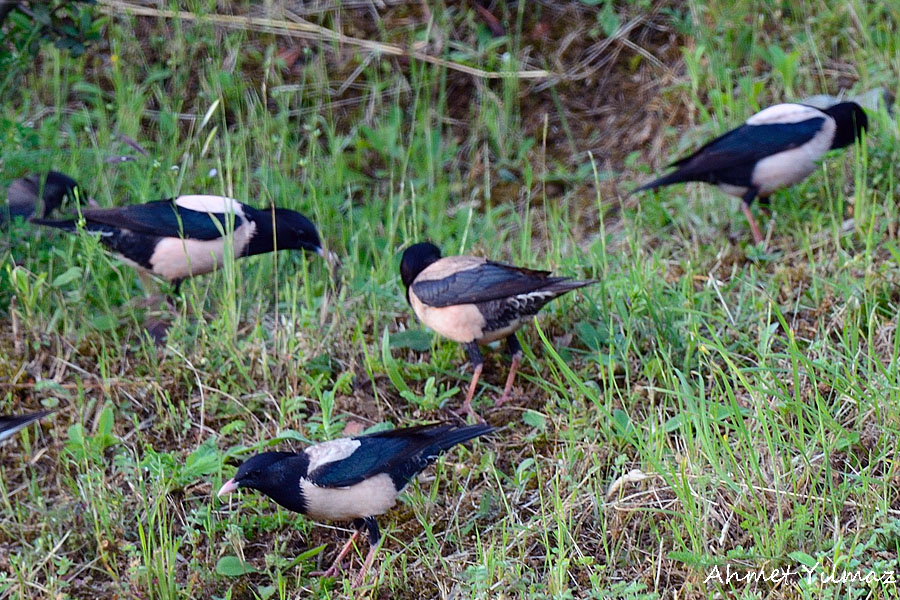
x: 14, y: 316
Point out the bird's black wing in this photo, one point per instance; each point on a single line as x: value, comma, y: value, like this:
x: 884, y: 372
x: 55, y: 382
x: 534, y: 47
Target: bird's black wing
x: 486, y: 282
x: 747, y: 144
x: 399, y: 453
x: 162, y: 218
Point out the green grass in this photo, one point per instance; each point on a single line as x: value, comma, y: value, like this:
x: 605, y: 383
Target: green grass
x: 705, y: 406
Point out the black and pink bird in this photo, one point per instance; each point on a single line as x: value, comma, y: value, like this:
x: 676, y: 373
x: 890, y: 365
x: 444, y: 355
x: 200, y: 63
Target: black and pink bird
x: 12, y: 424
x: 775, y: 148
x: 350, y: 479
x: 188, y: 235
x: 475, y: 301
x: 41, y: 194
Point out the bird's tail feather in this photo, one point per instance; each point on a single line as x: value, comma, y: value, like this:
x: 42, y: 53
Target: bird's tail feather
x: 66, y: 225
x: 674, y: 177
x: 453, y: 435
x: 561, y: 285
x: 442, y: 438
x: 11, y: 424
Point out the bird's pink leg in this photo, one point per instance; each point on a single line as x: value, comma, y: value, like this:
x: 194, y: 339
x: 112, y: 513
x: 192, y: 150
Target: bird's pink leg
x: 515, y: 351
x: 370, y: 558
x: 507, y: 389
x: 336, y: 565
x: 757, y: 236
x: 478, y: 363
x: 467, y: 405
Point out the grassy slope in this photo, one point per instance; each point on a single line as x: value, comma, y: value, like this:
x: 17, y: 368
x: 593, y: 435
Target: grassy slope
x: 753, y: 403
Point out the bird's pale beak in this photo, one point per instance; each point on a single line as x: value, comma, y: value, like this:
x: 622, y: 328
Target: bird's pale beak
x: 228, y: 487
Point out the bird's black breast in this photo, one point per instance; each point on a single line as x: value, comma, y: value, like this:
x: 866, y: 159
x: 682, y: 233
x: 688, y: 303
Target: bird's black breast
x: 283, y: 482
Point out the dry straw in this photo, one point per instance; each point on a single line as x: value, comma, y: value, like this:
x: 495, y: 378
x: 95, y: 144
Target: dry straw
x: 300, y: 28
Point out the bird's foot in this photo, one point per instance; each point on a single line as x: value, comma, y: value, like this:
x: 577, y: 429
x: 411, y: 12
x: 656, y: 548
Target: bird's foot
x: 360, y: 578
x: 331, y: 571
x: 502, y: 399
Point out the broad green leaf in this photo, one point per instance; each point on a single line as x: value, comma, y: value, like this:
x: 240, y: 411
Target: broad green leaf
x: 71, y: 274
x: 232, y: 566
x: 205, y: 460
x: 414, y: 339
x: 534, y: 419
x: 803, y: 558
